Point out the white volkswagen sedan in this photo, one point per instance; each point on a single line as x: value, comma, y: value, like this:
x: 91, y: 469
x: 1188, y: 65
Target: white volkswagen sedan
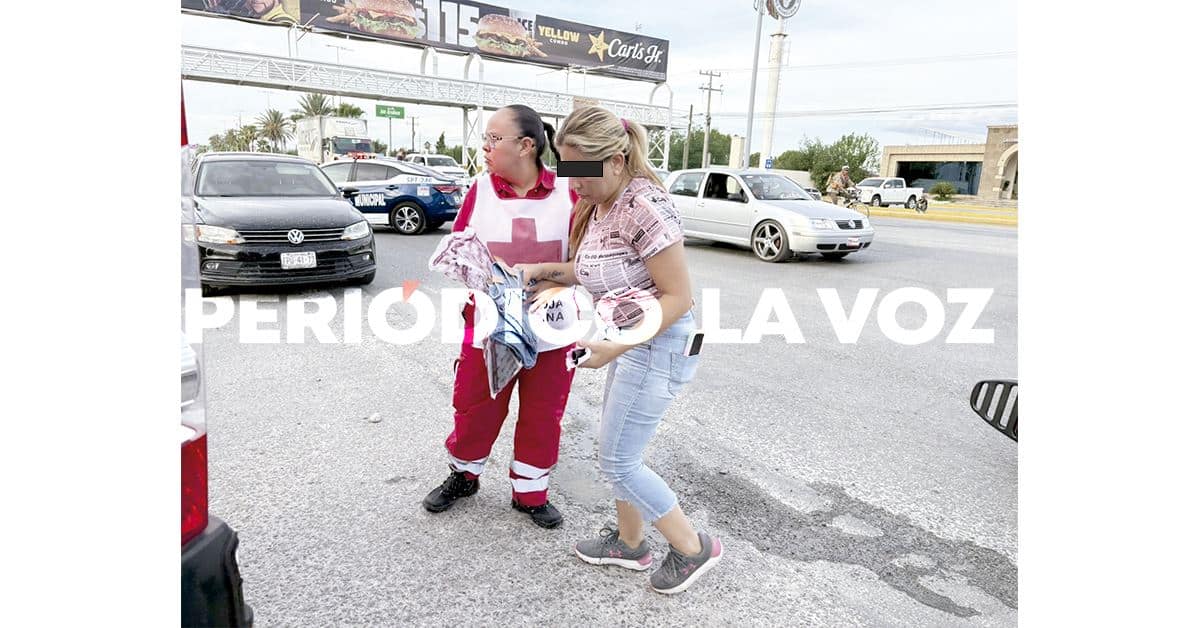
x: 765, y: 212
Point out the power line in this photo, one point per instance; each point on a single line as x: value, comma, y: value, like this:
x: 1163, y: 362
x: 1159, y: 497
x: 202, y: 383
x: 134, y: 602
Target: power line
x: 888, y: 62
x: 875, y: 110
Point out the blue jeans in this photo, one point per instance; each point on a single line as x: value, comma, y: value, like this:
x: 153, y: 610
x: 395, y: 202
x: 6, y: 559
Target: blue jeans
x: 640, y: 386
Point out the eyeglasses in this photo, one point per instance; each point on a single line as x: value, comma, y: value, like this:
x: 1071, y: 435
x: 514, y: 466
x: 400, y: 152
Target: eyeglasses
x: 490, y: 140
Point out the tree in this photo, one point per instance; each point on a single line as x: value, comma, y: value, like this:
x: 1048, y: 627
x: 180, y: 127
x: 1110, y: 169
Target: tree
x: 860, y: 152
x: 315, y: 105
x: 718, y: 148
x: 262, y: 146
x: 790, y: 160
x: 217, y: 143
x: 943, y: 190
x: 755, y: 160
x: 275, y: 128
x: 379, y: 147
x: 243, y: 138
x: 347, y: 110
x: 441, y: 144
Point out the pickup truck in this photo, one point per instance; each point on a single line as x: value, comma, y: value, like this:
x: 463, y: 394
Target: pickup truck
x: 884, y: 191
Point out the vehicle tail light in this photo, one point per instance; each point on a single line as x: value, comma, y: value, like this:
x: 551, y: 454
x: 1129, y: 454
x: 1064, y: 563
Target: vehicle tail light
x: 193, y: 448
x: 446, y: 189
x: 194, y: 466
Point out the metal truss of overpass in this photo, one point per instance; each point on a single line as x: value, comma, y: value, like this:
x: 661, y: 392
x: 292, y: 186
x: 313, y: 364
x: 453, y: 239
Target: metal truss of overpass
x: 473, y: 97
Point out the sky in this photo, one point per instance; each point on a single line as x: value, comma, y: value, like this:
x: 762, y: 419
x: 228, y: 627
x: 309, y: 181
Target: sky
x: 880, y: 36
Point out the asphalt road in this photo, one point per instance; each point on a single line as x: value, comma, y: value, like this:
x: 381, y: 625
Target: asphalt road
x: 850, y: 483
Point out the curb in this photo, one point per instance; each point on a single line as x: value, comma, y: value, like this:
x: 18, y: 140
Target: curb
x: 960, y: 218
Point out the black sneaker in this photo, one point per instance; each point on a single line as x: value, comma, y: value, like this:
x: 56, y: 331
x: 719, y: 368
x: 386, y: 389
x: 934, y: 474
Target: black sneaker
x: 455, y: 486
x: 545, y: 515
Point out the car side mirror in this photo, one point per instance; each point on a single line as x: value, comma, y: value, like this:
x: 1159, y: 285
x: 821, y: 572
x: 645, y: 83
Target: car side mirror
x: 995, y: 401
x: 348, y: 192
x: 740, y: 197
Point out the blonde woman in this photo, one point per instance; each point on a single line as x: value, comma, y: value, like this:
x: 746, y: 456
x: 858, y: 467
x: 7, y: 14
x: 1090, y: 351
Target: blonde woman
x: 626, y: 235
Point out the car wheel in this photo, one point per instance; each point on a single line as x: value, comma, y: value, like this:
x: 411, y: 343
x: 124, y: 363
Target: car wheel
x: 770, y: 242
x: 912, y: 202
x: 407, y: 218
x: 834, y: 256
x: 364, y: 280
x: 876, y: 201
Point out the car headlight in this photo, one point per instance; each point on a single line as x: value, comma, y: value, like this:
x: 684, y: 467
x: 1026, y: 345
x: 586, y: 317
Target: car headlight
x: 217, y: 235
x: 357, y: 231
x: 822, y: 223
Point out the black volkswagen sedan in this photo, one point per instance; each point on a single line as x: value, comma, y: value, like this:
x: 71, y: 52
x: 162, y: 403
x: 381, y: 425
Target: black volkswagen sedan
x: 265, y: 219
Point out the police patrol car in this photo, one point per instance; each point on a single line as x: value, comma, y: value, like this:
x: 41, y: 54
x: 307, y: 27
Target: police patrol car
x: 407, y: 197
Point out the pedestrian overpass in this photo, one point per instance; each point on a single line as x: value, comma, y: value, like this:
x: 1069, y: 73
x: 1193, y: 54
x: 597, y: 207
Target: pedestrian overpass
x: 472, y: 96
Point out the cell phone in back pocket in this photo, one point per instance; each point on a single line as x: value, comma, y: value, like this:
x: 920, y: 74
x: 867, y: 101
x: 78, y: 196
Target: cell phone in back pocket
x: 694, y: 342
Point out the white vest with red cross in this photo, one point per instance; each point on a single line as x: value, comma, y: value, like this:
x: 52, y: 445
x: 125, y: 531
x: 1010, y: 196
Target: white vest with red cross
x: 524, y: 231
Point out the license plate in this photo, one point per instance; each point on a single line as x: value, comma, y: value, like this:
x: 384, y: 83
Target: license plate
x: 302, y: 259
x: 852, y: 242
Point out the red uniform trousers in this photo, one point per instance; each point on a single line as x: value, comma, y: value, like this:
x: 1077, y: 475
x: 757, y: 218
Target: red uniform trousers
x: 542, y: 390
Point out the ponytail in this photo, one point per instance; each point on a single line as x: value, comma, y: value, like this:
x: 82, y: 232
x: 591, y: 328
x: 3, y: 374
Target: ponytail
x: 549, y: 130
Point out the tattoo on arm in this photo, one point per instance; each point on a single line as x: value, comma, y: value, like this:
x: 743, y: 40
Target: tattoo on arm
x: 556, y: 274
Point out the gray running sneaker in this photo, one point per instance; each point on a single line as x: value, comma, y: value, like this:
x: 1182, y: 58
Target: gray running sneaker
x: 678, y: 572
x: 609, y: 549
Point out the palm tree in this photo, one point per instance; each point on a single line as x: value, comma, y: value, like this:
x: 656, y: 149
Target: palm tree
x: 347, y: 110
x: 246, y: 136
x: 229, y: 141
x: 274, y: 127
x: 217, y: 143
x: 315, y: 105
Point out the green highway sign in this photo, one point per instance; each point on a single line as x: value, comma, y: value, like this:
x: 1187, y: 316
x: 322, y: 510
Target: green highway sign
x: 389, y: 111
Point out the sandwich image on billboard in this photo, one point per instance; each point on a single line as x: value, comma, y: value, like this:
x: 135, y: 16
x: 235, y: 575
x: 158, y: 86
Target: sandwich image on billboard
x: 504, y: 35
x: 389, y: 18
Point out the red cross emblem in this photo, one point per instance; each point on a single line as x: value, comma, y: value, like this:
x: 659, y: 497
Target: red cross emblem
x: 525, y: 247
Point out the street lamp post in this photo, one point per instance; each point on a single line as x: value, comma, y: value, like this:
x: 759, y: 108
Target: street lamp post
x: 759, y: 6
x: 338, y: 55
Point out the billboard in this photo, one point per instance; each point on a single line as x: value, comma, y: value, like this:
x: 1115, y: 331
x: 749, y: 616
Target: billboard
x: 285, y: 12
x: 466, y: 26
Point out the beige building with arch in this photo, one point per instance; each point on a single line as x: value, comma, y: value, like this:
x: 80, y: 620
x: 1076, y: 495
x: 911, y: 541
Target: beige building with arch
x: 987, y: 171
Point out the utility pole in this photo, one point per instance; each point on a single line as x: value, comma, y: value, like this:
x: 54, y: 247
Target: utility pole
x: 414, y: 133
x: 687, y: 139
x: 708, y: 114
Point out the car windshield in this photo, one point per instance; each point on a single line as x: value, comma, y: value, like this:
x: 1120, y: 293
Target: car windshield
x: 871, y: 183
x: 442, y: 162
x: 773, y: 187
x: 262, y: 178
x: 344, y: 145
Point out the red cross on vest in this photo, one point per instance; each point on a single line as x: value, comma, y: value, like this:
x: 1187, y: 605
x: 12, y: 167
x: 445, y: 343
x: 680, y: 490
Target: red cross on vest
x: 525, y: 247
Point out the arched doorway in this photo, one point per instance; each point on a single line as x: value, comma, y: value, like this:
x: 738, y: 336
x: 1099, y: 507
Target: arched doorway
x: 1008, y: 173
